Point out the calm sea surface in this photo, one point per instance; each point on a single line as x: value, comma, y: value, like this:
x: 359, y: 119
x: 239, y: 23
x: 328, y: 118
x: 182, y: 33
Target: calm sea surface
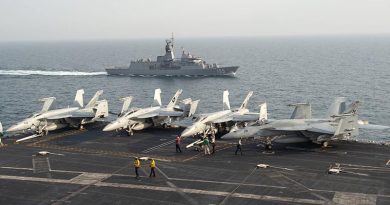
x: 279, y: 71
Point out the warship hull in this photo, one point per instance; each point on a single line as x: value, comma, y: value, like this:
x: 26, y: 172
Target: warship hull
x: 97, y: 168
x: 187, y: 71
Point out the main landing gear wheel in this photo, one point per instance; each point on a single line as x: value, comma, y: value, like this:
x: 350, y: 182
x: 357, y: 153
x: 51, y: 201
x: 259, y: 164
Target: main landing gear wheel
x: 130, y: 131
x: 268, y: 147
x: 325, y: 144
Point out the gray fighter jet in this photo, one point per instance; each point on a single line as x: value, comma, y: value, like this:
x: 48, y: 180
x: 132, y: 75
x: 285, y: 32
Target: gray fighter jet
x: 210, y: 123
x: 156, y: 116
x: 52, y: 119
x: 340, y: 123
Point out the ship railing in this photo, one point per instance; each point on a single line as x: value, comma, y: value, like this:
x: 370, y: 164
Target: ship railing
x: 211, y: 66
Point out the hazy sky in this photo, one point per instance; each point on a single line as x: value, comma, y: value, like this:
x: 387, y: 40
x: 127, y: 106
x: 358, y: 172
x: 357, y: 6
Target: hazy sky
x: 118, y: 19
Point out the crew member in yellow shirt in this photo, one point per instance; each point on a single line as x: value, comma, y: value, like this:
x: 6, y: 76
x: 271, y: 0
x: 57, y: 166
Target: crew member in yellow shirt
x: 152, y: 167
x: 137, y: 165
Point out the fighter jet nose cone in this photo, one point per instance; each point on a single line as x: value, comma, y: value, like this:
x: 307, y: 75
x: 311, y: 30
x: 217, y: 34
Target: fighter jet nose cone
x: 112, y: 126
x: 224, y: 137
x: 229, y: 136
x: 108, y: 128
x: 13, y: 128
x: 186, y: 133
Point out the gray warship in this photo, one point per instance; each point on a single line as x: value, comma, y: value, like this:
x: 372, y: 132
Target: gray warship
x: 168, y: 65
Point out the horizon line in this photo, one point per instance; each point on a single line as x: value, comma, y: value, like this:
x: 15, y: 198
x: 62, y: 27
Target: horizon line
x: 92, y: 39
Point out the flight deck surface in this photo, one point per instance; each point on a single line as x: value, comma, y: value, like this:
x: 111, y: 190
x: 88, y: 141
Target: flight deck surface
x: 97, y: 168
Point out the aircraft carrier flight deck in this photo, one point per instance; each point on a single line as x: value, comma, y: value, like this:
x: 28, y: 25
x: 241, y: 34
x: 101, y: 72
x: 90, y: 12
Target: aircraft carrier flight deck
x: 96, y: 167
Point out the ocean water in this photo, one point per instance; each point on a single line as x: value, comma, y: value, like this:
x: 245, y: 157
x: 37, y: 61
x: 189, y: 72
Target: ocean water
x: 279, y: 70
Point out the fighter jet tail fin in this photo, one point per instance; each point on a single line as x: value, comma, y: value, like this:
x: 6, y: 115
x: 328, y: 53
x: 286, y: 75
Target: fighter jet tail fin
x: 126, y: 104
x: 226, y: 103
x: 175, y: 99
x: 337, y: 107
x: 190, y: 107
x: 301, y: 111
x: 194, y: 107
x: 187, y: 106
x: 157, y: 97
x: 353, y: 107
x: 79, y: 98
x: 348, y: 122
x: 263, y: 114
x: 101, y: 110
x: 347, y: 126
x: 47, y: 103
x: 94, y: 99
x: 246, y: 100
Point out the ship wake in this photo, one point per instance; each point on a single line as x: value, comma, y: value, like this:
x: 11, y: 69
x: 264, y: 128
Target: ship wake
x: 49, y: 73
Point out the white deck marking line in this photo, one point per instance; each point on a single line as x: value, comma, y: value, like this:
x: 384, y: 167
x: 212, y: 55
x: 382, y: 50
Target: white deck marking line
x: 162, y: 173
x: 36, y: 179
x: 93, y: 179
x: 52, y: 170
x: 275, y: 198
x: 169, y: 189
x: 181, y: 193
x: 367, y: 169
x: 207, y: 192
x: 213, y: 193
x: 354, y: 198
x: 202, y: 154
x: 228, y: 183
x: 237, y: 187
x: 178, y: 190
x: 158, y: 146
x: 20, y: 168
x: 330, y: 191
x: 364, y: 166
x: 307, y: 189
x: 89, y: 178
x: 173, y: 179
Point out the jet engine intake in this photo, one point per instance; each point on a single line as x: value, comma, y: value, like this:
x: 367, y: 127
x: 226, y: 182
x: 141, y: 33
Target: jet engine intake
x: 141, y: 126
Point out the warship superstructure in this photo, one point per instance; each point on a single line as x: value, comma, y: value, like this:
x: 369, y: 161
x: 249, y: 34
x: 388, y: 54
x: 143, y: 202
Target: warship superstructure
x: 168, y: 65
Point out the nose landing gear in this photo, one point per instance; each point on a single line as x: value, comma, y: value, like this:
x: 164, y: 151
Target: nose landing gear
x: 268, y: 146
